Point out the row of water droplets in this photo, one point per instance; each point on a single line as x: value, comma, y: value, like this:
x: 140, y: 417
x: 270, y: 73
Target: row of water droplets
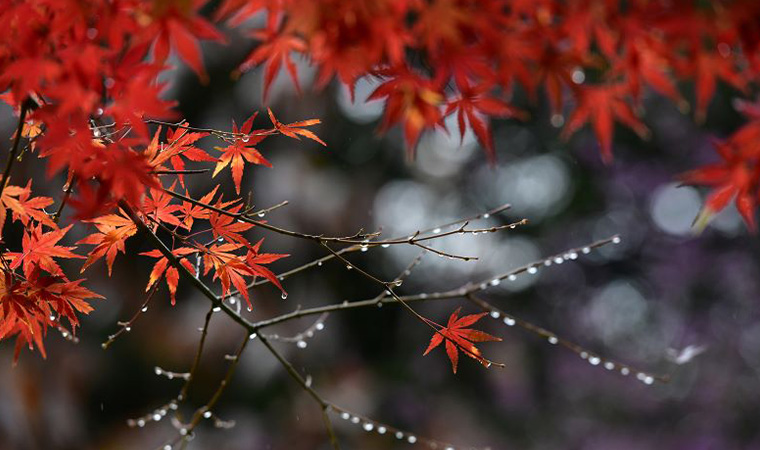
x: 592, y: 359
x: 382, y: 429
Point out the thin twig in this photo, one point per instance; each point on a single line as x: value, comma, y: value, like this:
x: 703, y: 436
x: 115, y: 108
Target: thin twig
x: 592, y: 357
x: 15, y: 147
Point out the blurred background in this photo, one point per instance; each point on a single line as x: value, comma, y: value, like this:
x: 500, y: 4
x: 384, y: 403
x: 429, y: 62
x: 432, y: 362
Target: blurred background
x: 661, y: 290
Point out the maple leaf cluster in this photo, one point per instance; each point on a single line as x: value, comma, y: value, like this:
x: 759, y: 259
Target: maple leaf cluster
x: 207, y: 235
x: 84, y: 79
x: 591, y: 58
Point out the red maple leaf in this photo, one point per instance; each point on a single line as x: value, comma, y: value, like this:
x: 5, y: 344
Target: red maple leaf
x: 601, y: 105
x: 277, y: 49
x: 39, y: 249
x: 228, y: 267
x: 295, y: 129
x: 113, y: 231
x: 23, y: 206
x: 171, y: 273
x: 457, y: 337
x: 227, y: 227
x: 734, y: 177
x: 255, y: 260
x: 241, y: 150
x: 410, y: 99
x: 474, y: 105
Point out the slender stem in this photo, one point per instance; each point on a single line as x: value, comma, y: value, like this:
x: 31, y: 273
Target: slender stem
x: 325, y: 405
x: 220, y: 390
x: 196, y: 361
x: 64, y: 200
x: 244, y: 218
x: 16, y: 143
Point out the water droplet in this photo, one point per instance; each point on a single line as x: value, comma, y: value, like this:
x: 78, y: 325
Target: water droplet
x: 301, y: 344
x: 167, y: 447
x: 437, y: 230
x: 586, y: 250
x: 399, y: 435
x: 92, y: 33
x: 220, y: 239
x: 355, y: 419
x: 398, y: 283
x: 127, y: 329
x: 156, y: 417
x: 158, y: 370
x: 548, y: 262
x: 594, y: 361
x: 495, y: 282
x: 140, y: 423
x: 584, y: 355
x: 104, y: 346
x: 368, y: 426
x: 284, y: 295
x: 385, y: 245
x: 609, y: 366
x: 573, y: 255
x: 249, y: 308
x: 99, y: 112
x: 423, y: 295
x: 648, y: 380
x: 349, y: 267
x: 261, y: 214
x: 217, y: 309
x: 411, y: 439
x: 624, y: 371
x: 483, y: 286
x: 252, y: 336
x: 486, y: 216
x: 557, y: 120
x: 144, y: 309
x: 558, y: 260
x: 509, y: 321
x: 364, y: 248
x: 183, y: 431
x: 578, y: 76
x: 319, y: 263
x: 553, y: 340
x: 345, y: 415
x: 96, y: 133
x: 320, y: 326
x: 379, y: 304
x: 512, y: 277
x: 532, y: 270
x: 616, y: 240
x: 381, y: 429
x: 207, y: 414
x: 495, y: 314
x: 232, y: 300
